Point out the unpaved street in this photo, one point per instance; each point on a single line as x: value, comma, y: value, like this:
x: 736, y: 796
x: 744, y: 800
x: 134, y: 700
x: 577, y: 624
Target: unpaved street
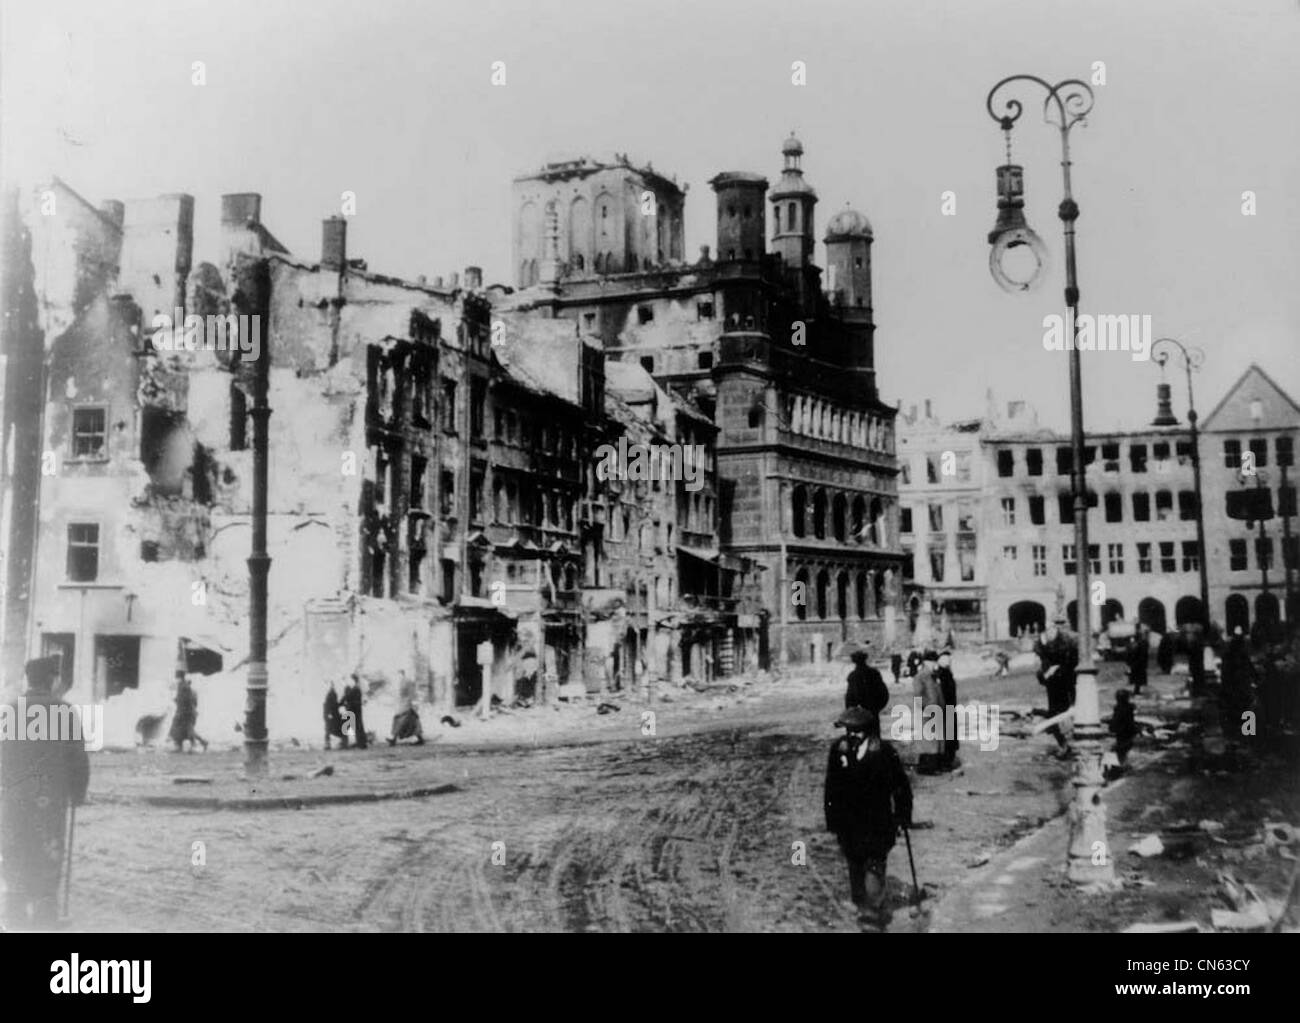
x: 694, y: 829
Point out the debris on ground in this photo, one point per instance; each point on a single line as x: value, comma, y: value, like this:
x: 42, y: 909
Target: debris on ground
x: 450, y: 721
x: 192, y: 779
x: 608, y: 708
x: 322, y: 772
x: 1147, y: 847
x: 1173, y: 927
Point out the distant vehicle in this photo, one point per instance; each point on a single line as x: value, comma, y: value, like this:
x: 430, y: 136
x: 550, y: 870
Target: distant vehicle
x: 1117, y: 640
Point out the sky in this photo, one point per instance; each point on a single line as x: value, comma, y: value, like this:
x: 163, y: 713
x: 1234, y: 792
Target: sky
x: 393, y: 100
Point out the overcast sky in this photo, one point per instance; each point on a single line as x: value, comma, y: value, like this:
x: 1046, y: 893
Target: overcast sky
x: 393, y: 100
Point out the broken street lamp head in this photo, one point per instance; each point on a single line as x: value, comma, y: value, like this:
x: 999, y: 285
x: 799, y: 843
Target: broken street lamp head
x: 1018, y: 261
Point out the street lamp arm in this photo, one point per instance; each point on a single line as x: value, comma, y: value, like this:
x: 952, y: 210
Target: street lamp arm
x: 1193, y: 358
x: 1072, y: 104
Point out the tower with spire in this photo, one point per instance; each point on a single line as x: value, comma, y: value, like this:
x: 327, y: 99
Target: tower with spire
x: 793, y: 203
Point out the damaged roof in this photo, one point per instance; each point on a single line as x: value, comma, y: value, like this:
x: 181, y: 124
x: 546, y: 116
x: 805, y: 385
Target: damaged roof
x: 541, y: 355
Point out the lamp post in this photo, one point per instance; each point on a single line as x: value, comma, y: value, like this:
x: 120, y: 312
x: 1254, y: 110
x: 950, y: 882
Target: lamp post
x: 1192, y: 358
x: 1089, y: 859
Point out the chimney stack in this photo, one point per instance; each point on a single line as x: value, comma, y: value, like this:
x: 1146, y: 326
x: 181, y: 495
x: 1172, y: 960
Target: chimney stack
x: 927, y: 408
x: 241, y: 208
x: 453, y: 282
x: 334, y: 243
x: 473, y: 277
x: 437, y: 282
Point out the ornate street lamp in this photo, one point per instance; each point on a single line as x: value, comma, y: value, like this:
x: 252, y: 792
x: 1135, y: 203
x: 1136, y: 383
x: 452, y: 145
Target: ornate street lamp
x: 1065, y: 105
x: 1192, y: 359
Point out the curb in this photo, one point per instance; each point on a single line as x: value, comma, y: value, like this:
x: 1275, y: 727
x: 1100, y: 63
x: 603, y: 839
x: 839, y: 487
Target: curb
x: 283, y: 802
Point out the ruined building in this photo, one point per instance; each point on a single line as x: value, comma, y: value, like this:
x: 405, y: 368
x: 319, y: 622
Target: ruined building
x: 778, y: 360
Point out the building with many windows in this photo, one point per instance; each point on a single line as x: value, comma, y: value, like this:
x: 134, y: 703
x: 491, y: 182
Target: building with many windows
x: 941, y: 485
x: 1248, y: 441
x: 1015, y: 553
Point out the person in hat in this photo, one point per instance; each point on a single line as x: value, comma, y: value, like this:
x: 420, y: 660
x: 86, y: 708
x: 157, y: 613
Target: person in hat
x: 896, y: 666
x: 187, y: 716
x: 948, y: 689
x: 867, y: 798
x: 866, y: 688
x: 925, y: 687
x: 1058, y: 655
x: 41, y: 779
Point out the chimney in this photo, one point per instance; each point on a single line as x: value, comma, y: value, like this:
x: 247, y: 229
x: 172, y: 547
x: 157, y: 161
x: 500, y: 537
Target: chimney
x: 114, y: 210
x: 437, y: 282
x: 473, y: 277
x: 421, y: 280
x: 453, y: 282
x: 927, y: 408
x: 334, y: 243
x: 241, y: 208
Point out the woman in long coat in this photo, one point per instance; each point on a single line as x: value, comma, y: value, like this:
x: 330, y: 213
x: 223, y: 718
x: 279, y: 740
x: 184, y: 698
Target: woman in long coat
x: 925, y: 686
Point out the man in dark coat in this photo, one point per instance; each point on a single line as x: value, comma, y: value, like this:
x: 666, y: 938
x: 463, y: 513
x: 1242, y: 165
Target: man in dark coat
x: 1058, y: 655
x: 865, y: 686
x: 333, y: 719
x: 41, y: 778
x: 186, y: 716
x: 1196, y: 658
x: 352, y: 706
x: 1122, y: 725
x: 1165, y: 653
x: 896, y: 666
x: 948, y: 688
x: 867, y: 798
x: 1136, y: 658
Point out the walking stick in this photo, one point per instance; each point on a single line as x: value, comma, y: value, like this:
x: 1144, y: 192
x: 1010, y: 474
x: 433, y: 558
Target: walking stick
x: 67, y: 876
x: 907, y: 837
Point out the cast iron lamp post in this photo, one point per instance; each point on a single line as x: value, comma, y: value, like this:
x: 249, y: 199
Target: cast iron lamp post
x: 1089, y: 859
x: 1192, y: 359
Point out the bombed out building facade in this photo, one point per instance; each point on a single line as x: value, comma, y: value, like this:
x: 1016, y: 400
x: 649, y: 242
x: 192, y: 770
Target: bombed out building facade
x: 433, y: 489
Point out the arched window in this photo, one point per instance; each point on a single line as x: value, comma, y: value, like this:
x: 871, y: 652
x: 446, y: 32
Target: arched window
x: 839, y: 509
x: 823, y: 593
x: 862, y: 594
x: 842, y: 596
x: 819, y: 515
x: 876, y: 528
x: 790, y: 215
x: 578, y: 262
x: 880, y: 593
x: 798, y: 509
x: 859, y: 520
x: 801, y: 593
x: 1236, y: 613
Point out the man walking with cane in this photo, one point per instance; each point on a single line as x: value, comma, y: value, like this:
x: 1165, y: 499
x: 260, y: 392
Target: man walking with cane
x: 42, y: 777
x: 867, y: 799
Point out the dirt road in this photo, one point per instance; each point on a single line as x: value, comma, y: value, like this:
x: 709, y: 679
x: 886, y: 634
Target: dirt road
x: 710, y: 824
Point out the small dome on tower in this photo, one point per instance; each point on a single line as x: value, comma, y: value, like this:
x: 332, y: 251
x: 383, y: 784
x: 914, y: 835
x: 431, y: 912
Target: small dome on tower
x: 792, y: 146
x: 848, y: 223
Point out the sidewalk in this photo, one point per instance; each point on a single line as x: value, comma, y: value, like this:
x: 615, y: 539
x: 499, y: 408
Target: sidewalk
x: 1209, y: 819
x: 214, y: 779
